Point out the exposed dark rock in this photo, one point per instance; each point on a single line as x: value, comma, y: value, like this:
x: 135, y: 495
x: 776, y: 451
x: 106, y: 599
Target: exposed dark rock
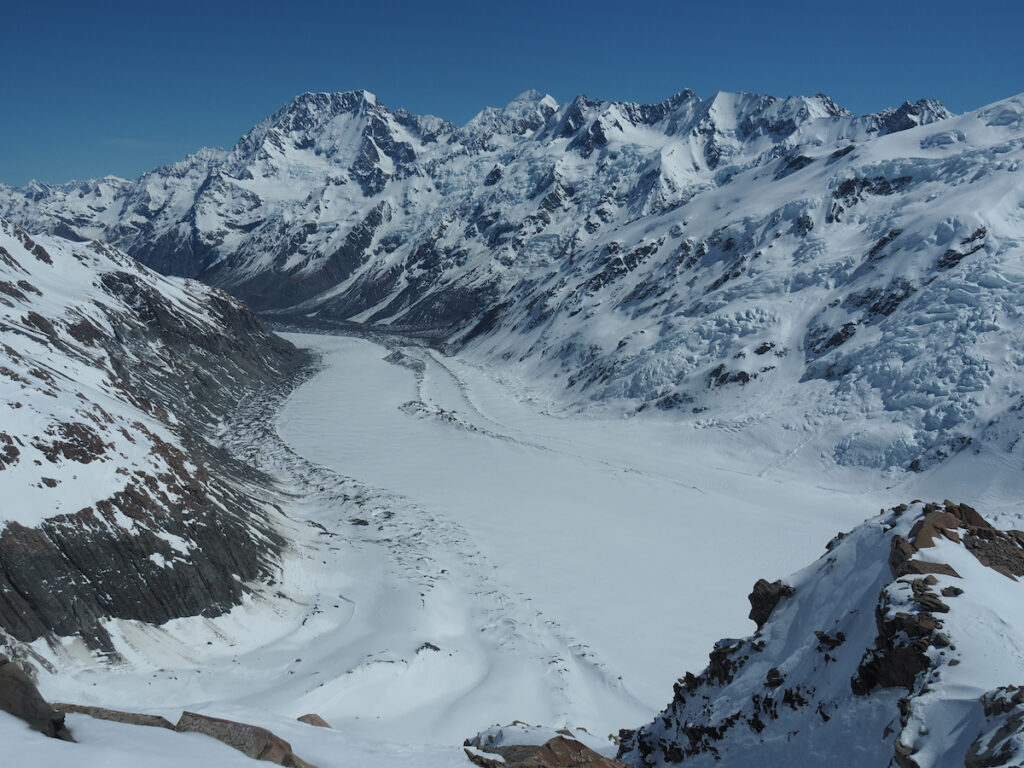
x: 20, y: 697
x: 952, y: 257
x: 763, y: 599
x: 899, y: 653
x: 829, y: 642
x: 853, y: 190
x: 821, y: 339
x: 724, y: 661
x: 1000, y: 744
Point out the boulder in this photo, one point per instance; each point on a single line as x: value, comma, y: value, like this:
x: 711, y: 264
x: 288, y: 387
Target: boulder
x: 314, y: 719
x: 559, y: 752
x: 131, y: 718
x: 253, y: 741
x: 764, y: 597
x: 20, y: 697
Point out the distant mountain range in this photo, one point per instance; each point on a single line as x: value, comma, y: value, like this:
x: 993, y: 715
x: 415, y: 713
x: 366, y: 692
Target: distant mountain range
x: 852, y: 282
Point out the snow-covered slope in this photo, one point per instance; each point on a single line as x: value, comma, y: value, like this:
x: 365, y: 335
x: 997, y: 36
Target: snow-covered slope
x: 115, y: 502
x: 902, y: 644
x: 851, y: 283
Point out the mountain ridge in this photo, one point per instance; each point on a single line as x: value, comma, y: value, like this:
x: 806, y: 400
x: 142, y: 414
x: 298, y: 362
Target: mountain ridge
x: 627, y: 253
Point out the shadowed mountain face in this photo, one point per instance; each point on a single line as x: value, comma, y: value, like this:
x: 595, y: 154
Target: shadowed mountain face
x: 739, y: 258
x: 118, y: 504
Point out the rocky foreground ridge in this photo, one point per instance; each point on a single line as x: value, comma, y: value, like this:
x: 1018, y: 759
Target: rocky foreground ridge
x: 900, y: 646
x: 699, y: 256
x: 118, y: 504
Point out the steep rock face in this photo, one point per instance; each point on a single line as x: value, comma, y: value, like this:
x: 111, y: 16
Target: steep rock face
x: 858, y: 272
x: 117, y: 505
x: 882, y: 643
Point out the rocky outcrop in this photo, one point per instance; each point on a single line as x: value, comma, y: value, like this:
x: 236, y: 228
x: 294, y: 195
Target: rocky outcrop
x: 20, y: 697
x: 763, y: 599
x: 559, y: 752
x: 1002, y: 743
x: 882, y: 642
x: 255, y: 742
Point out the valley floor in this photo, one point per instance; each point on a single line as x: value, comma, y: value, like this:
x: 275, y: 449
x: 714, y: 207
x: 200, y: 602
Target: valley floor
x: 466, y: 555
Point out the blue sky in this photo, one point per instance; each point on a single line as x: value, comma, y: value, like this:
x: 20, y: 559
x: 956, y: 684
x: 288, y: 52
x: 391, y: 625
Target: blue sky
x: 120, y: 87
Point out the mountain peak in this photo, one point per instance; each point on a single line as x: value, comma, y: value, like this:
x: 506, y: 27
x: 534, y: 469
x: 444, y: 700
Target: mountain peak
x: 331, y: 102
x: 531, y: 99
x: 910, y: 115
x: 526, y: 112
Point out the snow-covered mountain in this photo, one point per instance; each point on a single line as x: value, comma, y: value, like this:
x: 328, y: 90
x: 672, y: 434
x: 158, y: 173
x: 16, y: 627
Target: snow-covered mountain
x: 851, y: 283
x: 117, y: 501
x: 900, y: 646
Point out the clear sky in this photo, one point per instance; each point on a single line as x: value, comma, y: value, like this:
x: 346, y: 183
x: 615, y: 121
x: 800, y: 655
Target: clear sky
x: 91, y: 88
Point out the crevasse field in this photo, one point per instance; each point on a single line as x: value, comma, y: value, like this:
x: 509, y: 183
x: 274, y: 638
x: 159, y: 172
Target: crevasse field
x: 469, y: 554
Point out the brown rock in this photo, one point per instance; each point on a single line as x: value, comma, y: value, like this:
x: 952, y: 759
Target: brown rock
x: 933, y: 524
x: 101, y: 713
x: 929, y: 601
x: 967, y: 515
x: 314, y: 719
x: 901, y: 562
x: 253, y: 741
x: 900, y: 551
x: 1002, y: 551
x: 20, y: 697
x: 559, y: 752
